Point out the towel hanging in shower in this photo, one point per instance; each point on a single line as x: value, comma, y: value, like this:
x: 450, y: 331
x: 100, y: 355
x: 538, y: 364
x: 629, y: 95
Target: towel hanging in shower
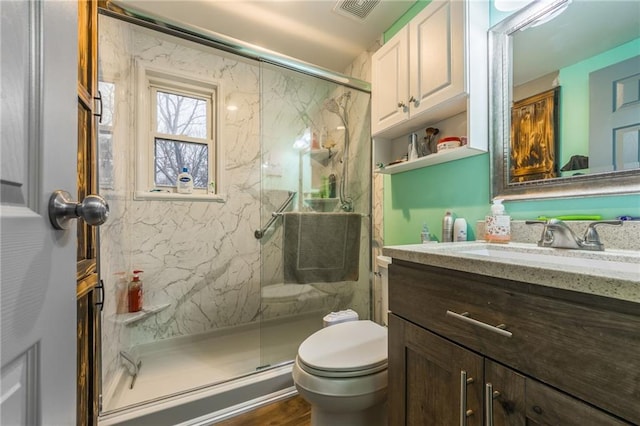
x: 321, y: 247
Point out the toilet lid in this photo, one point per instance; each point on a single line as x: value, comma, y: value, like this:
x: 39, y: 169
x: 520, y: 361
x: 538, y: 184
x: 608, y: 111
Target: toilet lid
x: 346, y: 347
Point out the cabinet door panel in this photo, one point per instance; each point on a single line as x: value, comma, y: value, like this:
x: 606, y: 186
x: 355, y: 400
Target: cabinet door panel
x: 508, y: 399
x: 425, y: 378
x: 437, y: 48
x: 547, y: 406
x: 390, y: 83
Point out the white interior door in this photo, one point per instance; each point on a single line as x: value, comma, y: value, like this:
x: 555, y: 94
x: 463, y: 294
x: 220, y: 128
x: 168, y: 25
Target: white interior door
x: 38, y: 263
x: 614, y: 124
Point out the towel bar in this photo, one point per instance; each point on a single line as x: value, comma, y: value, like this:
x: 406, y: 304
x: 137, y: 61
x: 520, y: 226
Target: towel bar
x: 259, y: 233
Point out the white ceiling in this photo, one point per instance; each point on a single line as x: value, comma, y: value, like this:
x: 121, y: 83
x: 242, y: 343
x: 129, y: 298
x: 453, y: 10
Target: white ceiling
x: 307, y: 30
x: 584, y: 29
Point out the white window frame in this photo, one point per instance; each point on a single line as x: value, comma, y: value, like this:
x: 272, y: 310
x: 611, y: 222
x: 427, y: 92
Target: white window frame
x: 148, y: 82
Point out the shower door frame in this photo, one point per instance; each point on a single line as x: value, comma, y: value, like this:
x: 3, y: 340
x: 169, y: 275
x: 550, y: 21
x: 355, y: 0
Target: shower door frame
x: 220, y: 42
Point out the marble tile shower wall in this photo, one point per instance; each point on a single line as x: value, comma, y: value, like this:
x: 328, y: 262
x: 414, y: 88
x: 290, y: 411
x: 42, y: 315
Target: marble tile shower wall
x: 296, y: 102
x: 200, y: 257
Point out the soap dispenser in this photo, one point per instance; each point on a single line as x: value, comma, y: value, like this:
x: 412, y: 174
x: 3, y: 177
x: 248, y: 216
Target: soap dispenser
x: 498, y: 224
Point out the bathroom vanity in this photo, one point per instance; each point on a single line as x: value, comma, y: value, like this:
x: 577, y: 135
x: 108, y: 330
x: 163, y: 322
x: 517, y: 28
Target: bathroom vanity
x: 479, y: 337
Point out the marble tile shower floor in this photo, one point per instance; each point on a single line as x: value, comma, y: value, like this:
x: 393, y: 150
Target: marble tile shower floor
x: 185, y: 364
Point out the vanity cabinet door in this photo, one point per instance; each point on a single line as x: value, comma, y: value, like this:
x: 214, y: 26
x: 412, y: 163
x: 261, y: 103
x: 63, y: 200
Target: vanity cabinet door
x: 427, y: 383
x: 584, y: 345
x: 512, y: 399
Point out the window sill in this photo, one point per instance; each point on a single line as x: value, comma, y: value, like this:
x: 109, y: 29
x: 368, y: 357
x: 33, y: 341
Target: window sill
x: 172, y: 196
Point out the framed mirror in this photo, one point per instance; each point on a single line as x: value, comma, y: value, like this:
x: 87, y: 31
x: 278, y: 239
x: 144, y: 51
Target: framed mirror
x: 565, y: 100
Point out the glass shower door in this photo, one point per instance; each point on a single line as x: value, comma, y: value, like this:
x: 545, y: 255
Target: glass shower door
x: 316, y: 144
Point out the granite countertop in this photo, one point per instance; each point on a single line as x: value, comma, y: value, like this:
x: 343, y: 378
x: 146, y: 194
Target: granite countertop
x: 612, y: 273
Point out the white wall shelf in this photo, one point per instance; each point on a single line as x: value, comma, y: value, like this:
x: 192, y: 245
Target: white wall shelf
x: 430, y: 160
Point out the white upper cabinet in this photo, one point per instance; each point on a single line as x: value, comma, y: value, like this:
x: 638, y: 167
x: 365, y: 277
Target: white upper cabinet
x: 390, y: 75
x: 436, y: 56
x: 422, y: 77
x: 421, y: 67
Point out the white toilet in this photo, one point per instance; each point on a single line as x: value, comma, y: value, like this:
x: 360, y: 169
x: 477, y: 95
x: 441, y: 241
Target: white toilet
x: 341, y: 371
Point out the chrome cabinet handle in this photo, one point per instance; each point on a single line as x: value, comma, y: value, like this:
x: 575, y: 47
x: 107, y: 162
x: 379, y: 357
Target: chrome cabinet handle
x: 500, y: 328
x: 489, y: 396
x: 94, y: 210
x: 464, y: 382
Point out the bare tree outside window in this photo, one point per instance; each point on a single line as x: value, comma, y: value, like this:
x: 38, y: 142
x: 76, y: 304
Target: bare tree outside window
x: 105, y: 135
x: 181, y: 116
x: 172, y: 156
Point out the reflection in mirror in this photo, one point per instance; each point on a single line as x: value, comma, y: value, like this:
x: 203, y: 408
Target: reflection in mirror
x: 565, y: 107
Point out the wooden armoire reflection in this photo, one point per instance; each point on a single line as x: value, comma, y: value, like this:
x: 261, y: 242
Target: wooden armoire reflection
x: 88, y: 288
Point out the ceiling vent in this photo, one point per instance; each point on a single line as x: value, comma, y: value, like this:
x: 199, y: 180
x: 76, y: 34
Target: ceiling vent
x: 355, y: 9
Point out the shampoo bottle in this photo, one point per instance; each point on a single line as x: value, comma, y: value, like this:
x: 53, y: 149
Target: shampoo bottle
x: 447, y: 227
x: 498, y: 224
x: 459, y: 229
x: 185, y: 182
x: 122, y: 289
x: 135, y: 292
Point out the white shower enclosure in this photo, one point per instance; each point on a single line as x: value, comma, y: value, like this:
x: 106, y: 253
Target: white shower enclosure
x: 215, y: 303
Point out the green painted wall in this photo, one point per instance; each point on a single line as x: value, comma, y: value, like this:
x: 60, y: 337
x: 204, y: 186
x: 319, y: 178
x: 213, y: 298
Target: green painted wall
x: 404, y: 19
x: 422, y: 196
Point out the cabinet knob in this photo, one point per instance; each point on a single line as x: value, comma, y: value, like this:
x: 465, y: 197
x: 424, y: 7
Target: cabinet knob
x: 416, y: 102
x: 402, y: 105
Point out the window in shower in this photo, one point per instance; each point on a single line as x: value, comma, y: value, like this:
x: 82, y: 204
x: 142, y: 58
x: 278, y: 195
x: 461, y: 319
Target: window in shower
x: 181, y: 113
x: 107, y: 92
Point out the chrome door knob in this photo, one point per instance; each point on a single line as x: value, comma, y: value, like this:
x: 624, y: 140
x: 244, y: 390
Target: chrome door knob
x: 94, y: 210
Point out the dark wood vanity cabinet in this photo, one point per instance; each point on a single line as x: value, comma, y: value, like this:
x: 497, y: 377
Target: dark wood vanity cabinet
x: 497, y: 352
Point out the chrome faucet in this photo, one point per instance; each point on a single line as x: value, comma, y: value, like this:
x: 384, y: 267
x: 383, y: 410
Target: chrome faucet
x: 557, y: 234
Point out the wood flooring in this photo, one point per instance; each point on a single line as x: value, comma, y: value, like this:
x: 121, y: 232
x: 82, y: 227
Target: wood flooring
x: 293, y: 411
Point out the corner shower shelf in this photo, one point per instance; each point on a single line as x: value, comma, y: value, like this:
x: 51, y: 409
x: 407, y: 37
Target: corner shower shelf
x: 321, y: 204
x: 322, y: 155
x: 132, y: 317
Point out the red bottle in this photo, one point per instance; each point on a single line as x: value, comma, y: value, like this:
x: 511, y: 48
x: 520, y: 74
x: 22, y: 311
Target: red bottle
x: 135, y: 292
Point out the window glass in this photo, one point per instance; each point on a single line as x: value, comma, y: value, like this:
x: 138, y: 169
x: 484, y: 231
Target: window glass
x: 171, y: 156
x: 181, y: 115
x: 105, y: 135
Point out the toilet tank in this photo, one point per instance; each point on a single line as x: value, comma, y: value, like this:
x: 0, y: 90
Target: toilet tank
x: 382, y: 284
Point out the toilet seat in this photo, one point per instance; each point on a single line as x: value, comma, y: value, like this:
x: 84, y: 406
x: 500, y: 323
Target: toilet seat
x: 349, y: 349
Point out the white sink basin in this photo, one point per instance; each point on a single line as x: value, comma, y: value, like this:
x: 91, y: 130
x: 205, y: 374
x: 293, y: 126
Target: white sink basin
x: 613, y: 261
